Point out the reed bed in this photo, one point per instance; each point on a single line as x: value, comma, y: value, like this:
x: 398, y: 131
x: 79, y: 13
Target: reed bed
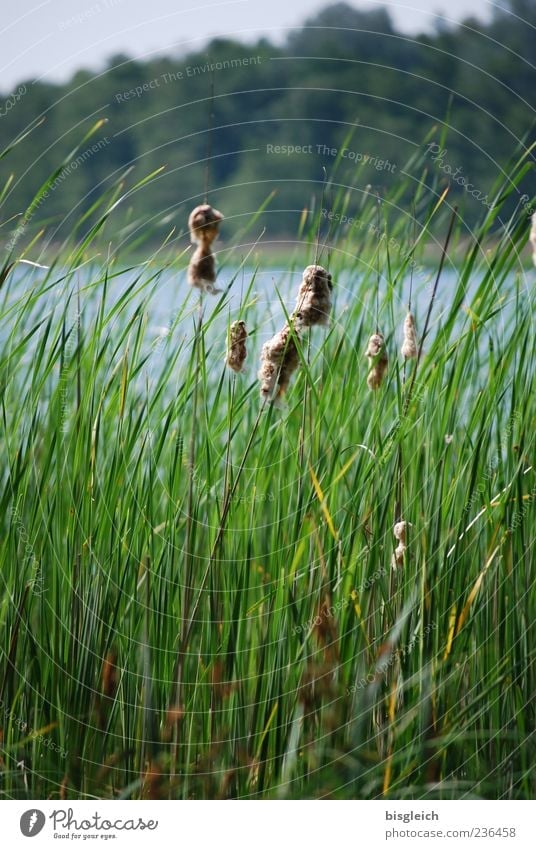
x: 197, y: 592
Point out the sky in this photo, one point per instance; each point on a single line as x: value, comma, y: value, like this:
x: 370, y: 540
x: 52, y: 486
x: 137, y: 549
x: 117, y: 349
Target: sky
x: 51, y: 39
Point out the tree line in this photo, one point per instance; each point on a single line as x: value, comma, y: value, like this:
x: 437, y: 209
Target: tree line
x: 345, y: 89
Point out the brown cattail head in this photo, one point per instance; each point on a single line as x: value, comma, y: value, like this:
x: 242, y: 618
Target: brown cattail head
x: 399, y: 531
x: 313, y: 304
x: 109, y: 685
x: 279, y: 360
x: 409, y: 345
x: 398, y: 556
x: 202, y: 270
x: 152, y: 786
x: 378, y: 360
x: 204, y: 223
x: 326, y: 629
x: 110, y: 675
x: 236, y: 346
x: 173, y: 719
x: 533, y: 237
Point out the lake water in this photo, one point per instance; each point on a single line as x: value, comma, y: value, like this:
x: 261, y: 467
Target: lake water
x: 171, y: 306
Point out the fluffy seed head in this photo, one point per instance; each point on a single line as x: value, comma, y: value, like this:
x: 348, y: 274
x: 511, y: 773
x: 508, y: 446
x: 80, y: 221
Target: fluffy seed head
x: 409, y: 346
x: 533, y: 237
x: 204, y: 223
x: 313, y: 304
x: 378, y: 360
x: 279, y: 360
x: 110, y: 674
x: 202, y: 270
x: 398, y: 555
x: 375, y: 345
x: 399, y: 531
x: 236, y: 346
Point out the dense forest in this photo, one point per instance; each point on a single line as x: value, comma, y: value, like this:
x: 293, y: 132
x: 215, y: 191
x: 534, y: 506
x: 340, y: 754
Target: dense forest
x: 345, y: 88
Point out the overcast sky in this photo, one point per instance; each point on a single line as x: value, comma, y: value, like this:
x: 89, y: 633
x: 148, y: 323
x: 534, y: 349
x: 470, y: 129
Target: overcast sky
x: 50, y: 39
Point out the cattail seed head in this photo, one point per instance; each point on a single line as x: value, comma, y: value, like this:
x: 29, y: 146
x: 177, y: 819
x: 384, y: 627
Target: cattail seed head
x: 399, y: 531
x: 378, y: 360
x: 174, y: 717
x: 110, y: 677
x: 110, y: 674
x: 409, y: 345
x: 202, y: 270
x: 533, y: 237
x: 204, y: 223
x: 236, y: 346
x: 279, y: 360
x: 398, y: 556
x: 313, y: 304
x: 153, y: 782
